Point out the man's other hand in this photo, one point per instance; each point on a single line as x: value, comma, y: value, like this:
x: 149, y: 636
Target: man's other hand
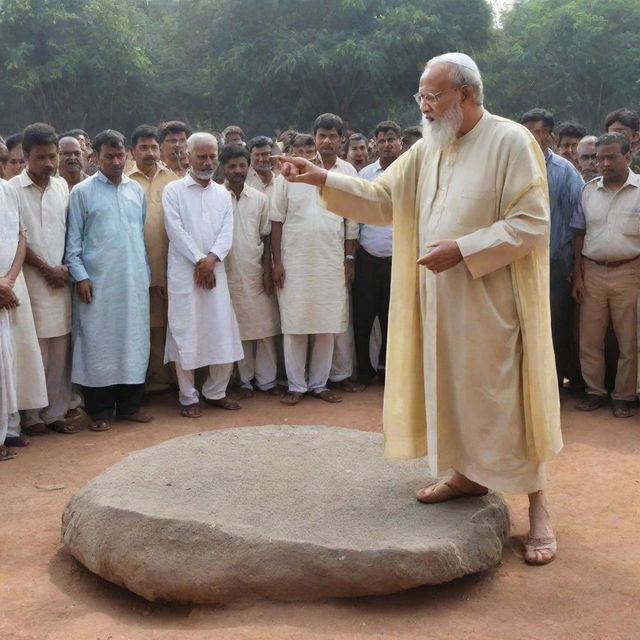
x: 442, y: 255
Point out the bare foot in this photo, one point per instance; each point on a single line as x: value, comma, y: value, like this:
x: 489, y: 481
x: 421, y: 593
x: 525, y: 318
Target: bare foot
x: 458, y: 486
x: 540, y: 546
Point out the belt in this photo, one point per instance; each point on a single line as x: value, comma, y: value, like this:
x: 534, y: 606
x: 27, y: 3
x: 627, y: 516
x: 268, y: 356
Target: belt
x: 611, y: 264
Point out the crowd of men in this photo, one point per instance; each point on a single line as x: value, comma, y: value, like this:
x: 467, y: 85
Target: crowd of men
x: 127, y: 266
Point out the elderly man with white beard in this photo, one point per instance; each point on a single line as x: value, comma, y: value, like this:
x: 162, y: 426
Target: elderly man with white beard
x: 470, y: 352
x: 202, y: 330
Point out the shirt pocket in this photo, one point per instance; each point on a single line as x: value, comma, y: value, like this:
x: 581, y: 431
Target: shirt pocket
x: 630, y: 222
x: 473, y: 209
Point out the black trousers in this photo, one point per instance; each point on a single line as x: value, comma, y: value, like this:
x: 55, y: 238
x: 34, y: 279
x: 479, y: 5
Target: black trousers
x: 125, y: 399
x: 370, y: 289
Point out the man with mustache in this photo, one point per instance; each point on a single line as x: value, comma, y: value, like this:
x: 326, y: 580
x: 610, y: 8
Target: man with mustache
x: 261, y: 175
x: 43, y: 199
x: 173, y: 146
x: 107, y: 261
x: 469, y: 347
x: 606, y: 274
x: 249, y: 275
x: 70, y: 167
x: 202, y: 329
x: 153, y: 176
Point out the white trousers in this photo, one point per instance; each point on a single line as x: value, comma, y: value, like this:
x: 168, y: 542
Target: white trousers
x: 56, y: 358
x: 214, y: 387
x: 260, y: 362
x: 343, y: 354
x: 12, y: 428
x: 295, y: 360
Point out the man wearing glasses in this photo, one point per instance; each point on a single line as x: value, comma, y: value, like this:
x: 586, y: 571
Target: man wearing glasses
x: 469, y: 346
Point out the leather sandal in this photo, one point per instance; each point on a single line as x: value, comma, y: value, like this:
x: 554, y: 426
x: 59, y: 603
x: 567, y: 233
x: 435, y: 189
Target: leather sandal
x: 327, y: 395
x: 444, y: 491
x: 590, y: 402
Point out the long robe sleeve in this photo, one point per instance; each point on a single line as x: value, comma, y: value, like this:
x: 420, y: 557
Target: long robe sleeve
x: 222, y: 244
x: 74, y: 238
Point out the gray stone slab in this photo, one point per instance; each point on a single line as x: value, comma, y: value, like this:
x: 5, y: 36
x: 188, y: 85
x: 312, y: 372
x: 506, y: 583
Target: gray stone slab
x: 282, y: 512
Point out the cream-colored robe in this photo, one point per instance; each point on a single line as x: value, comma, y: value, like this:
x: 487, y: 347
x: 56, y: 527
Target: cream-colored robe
x: 256, y: 312
x: 470, y: 367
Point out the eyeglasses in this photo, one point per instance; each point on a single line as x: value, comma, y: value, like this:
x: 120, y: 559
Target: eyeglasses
x: 433, y: 98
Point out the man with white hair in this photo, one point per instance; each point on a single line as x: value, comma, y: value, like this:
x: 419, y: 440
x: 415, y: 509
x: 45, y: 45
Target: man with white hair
x: 587, y: 158
x: 470, y: 349
x: 202, y: 329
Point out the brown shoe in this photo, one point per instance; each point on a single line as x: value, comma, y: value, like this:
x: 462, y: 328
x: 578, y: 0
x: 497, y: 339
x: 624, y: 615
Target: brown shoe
x: 39, y: 429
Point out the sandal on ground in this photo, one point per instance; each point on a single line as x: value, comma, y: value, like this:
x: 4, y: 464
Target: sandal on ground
x: 224, y: 403
x: 327, y: 395
x: 100, y: 425
x: 624, y: 408
x: 6, y: 454
x: 348, y: 386
x: 191, y: 410
x: 39, y: 429
x: 60, y: 426
x: 291, y: 397
x: 590, y: 402
x: 138, y: 416
x: 16, y: 441
x: 276, y: 391
x: 540, y: 551
x: 444, y: 491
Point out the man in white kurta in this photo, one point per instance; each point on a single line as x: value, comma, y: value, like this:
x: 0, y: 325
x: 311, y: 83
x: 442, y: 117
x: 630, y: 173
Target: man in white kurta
x: 202, y: 329
x: 250, y: 284
x: 308, y: 244
x: 12, y: 249
x: 470, y: 358
x: 44, y: 200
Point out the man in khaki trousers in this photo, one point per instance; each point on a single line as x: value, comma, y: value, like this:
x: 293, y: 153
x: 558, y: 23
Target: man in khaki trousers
x: 607, y: 274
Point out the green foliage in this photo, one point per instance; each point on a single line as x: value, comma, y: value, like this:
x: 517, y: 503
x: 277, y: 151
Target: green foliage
x: 577, y: 58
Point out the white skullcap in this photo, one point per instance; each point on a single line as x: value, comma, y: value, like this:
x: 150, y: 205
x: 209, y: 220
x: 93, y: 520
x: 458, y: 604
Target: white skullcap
x: 455, y: 57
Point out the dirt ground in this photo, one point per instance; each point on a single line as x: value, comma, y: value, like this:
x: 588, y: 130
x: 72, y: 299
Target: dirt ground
x: 591, y: 592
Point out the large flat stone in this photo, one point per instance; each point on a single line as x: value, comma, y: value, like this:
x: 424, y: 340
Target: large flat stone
x: 283, y: 512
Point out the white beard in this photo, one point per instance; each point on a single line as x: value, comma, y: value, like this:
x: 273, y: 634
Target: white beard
x: 443, y: 132
x: 203, y: 175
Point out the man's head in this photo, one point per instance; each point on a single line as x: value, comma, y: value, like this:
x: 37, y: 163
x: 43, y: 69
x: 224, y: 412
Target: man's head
x: 540, y: 122
x: 410, y: 136
x: 235, y: 160
x: 449, y: 94
x: 358, y: 151
x: 145, y: 147
x: 387, y: 136
x: 569, y: 134
x: 613, y: 154
x: 16, y: 162
x: 304, y: 146
x: 85, y: 143
x: 172, y: 136
x: 232, y: 135
x: 202, y: 152
x: 260, y: 148
x: 327, y: 131
x: 40, y: 147
x: 110, y: 148
x: 71, y: 157
x: 625, y: 121
x: 587, y: 157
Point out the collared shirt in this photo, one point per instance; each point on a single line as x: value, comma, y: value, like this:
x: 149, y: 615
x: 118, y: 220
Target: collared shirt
x: 155, y: 236
x: 565, y: 188
x: 374, y: 239
x: 44, y: 215
x: 254, y: 180
x: 611, y: 220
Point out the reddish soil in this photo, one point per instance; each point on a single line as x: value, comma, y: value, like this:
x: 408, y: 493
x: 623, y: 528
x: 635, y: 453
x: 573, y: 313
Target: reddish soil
x: 591, y: 592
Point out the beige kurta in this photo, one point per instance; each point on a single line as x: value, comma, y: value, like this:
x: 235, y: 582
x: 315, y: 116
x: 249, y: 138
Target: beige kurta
x: 470, y: 366
x: 156, y: 241
x: 256, y: 312
x: 255, y: 181
x: 314, y: 296
x: 44, y: 214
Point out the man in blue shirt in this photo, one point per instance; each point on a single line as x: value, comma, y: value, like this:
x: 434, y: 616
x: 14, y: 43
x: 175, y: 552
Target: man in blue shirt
x: 565, y: 188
